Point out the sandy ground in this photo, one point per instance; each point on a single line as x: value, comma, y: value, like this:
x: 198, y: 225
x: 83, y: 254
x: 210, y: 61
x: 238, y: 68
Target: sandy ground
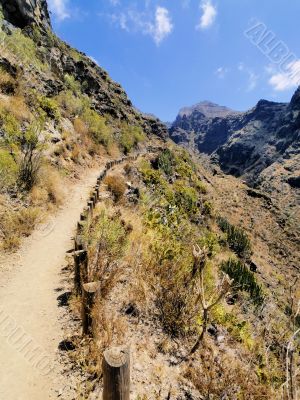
x: 30, y: 328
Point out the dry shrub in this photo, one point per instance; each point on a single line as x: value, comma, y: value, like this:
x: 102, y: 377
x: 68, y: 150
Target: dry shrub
x: 113, y: 150
x: 80, y: 127
x: 76, y: 154
x: 7, y: 83
x: 18, y: 107
x: 15, y: 224
x: 116, y: 185
x: 51, y: 182
x: 38, y: 195
x: 219, y: 376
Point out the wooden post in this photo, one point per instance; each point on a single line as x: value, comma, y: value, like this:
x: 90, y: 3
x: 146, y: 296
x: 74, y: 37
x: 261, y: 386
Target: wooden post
x: 80, y: 225
x: 116, y: 374
x: 79, y: 244
x: 95, y: 196
x: 80, y: 263
x: 91, y: 207
x: 83, y: 215
x: 89, y: 292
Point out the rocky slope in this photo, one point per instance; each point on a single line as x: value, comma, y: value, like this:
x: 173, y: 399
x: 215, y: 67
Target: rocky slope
x: 23, y: 12
x: 261, y: 145
x: 58, y: 59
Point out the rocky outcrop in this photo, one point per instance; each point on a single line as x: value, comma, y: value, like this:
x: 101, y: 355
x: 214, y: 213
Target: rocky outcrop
x: 244, y: 144
x: 262, y: 145
x: 21, y: 13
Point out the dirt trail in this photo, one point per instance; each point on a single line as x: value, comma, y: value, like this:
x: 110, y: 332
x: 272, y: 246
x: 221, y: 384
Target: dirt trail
x: 30, y: 331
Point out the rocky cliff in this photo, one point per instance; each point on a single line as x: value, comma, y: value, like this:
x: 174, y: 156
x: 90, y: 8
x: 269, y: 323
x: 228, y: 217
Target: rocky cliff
x: 45, y: 62
x: 25, y: 12
x: 260, y: 145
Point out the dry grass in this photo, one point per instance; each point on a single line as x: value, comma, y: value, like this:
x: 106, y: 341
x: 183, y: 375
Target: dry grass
x: 76, y: 154
x: 113, y: 150
x: 213, y: 377
x: 80, y: 127
x: 116, y: 185
x: 50, y: 182
x: 7, y: 83
x: 16, y: 224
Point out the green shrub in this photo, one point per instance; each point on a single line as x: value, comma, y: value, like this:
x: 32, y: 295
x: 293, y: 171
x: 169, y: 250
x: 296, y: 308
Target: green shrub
x: 150, y: 176
x: 237, y: 239
x: 72, y: 85
x: 186, y: 198
x: 210, y: 241
x: 8, y: 170
x: 50, y: 107
x: 97, y: 126
x: 208, y: 208
x: 166, y: 161
x: 130, y: 137
x: 22, y: 47
x: 244, y: 279
x: 108, y: 236
x: 72, y: 104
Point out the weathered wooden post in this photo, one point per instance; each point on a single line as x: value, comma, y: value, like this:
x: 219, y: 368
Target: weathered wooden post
x: 89, y: 292
x: 79, y: 242
x: 116, y: 374
x: 80, y: 268
x: 84, y: 215
x: 91, y: 207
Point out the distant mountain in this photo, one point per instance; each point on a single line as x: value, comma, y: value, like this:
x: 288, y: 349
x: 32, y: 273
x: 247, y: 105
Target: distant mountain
x: 208, y: 109
x: 261, y: 145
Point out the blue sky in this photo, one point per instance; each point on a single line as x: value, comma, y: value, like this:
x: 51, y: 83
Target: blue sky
x: 172, y: 53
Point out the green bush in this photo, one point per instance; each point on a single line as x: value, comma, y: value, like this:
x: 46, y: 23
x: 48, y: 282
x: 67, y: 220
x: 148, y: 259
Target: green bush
x: 186, y: 198
x: 72, y: 85
x: 244, y: 279
x: 130, y: 137
x: 97, y: 126
x: 50, y: 107
x: 23, y: 47
x: 72, y: 104
x: 8, y: 170
x: 108, y: 236
x: 166, y: 161
x: 150, y: 176
x: 237, y: 239
x: 210, y: 241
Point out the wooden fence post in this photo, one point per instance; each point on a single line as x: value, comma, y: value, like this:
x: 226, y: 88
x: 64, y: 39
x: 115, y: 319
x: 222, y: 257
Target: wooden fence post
x: 89, y: 292
x: 79, y: 243
x: 116, y: 374
x: 80, y: 264
x: 91, y: 207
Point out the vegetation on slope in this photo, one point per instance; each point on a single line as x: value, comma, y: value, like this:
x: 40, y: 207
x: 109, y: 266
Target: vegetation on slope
x: 160, y: 256
x: 49, y: 127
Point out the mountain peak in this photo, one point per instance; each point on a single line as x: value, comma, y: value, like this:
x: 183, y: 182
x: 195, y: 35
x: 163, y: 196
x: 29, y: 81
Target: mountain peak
x: 208, y: 109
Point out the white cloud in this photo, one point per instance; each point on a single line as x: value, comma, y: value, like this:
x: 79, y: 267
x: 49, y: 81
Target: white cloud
x: 209, y: 13
x: 163, y: 25
x: 289, y: 79
x: 159, y: 26
x: 252, y: 76
x: 221, y: 72
x: 59, y: 8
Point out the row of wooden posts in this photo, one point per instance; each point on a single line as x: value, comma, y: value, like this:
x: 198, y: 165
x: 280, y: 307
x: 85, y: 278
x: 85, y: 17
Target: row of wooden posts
x: 116, y: 361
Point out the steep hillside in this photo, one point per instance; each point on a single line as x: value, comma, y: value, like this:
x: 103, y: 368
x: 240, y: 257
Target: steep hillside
x: 59, y: 113
x: 163, y: 242
x: 193, y: 269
